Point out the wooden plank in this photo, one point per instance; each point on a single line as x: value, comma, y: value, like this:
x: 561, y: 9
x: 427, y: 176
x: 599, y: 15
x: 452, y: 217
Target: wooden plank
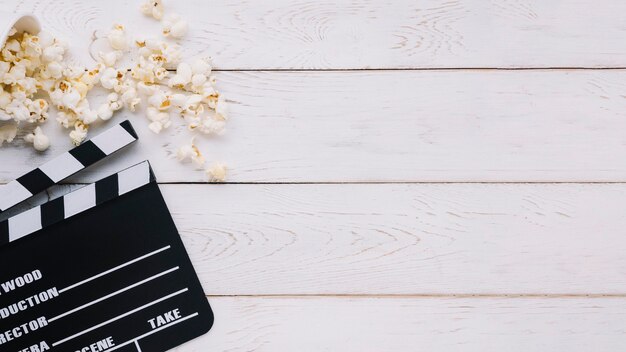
x: 403, y: 126
x: 409, y: 324
x: 345, y: 34
x: 404, y: 239
x: 396, y: 239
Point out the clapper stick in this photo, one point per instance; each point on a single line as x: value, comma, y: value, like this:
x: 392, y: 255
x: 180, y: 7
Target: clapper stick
x: 99, y: 269
x: 75, y: 202
x: 66, y: 165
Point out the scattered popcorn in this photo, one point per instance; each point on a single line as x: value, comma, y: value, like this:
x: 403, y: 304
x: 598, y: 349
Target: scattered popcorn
x: 159, y: 120
x: 38, y: 110
x: 117, y: 38
x: 130, y: 99
x: 35, y: 79
x: 79, y: 133
x: 201, y: 66
x: 217, y: 173
x: 221, y: 108
x: 39, y: 140
x: 111, y: 78
x: 175, y: 26
x: 153, y: 8
x: 7, y: 133
x: 54, y: 52
x: 160, y: 101
x: 190, y: 152
x: 183, y: 77
x: 109, y: 59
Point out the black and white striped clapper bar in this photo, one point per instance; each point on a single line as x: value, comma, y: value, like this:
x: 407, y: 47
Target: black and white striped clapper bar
x: 98, y: 269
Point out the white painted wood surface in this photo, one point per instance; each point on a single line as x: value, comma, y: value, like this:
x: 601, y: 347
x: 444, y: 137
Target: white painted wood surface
x: 419, y: 239
x: 413, y: 324
x: 344, y: 251
x: 400, y: 126
x: 367, y: 34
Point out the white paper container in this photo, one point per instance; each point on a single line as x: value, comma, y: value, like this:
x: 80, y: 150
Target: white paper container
x: 21, y: 21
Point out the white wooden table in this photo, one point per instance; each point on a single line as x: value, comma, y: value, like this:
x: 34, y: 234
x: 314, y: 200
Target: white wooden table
x: 406, y: 175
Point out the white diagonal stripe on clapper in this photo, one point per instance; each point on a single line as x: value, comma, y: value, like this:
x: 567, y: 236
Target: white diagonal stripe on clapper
x: 80, y: 200
x: 25, y: 223
x: 113, y: 139
x: 11, y: 194
x: 61, y: 167
x: 133, y: 178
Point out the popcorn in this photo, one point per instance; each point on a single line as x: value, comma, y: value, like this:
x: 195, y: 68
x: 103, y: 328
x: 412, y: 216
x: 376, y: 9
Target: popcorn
x: 113, y: 101
x: 73, y: 72
x: 175, y: 26
x: 160, y: 101
x: 79, y: 133
x: 117, y: 38
x: 16, y: 73
x: 11, y: 47
x: 217, y: 172
x: 54, y: 52
x: 18, y: 110
x: 39, y: 140
x: 193, y: 105
x: 105, y: 112
x: 209, y: 126
x: 201, y: 66
x: 65, y: 96
x: 85, y: 114
x: 31, y: 46
x: 109, y: 59
x: 66, y: 118
x: 146, y: 88
x: 7, y: 133
x: 4, y: 116
x: 34, y: 76
x: 183, y: 77
x: 198, y: 80
x: 171, y: 53
x: 4, y: 69
x: 52, y: 70
x: 130, y: 99
x: 153, y: 8
x: 221, y: 108
x: 112, y: 78
x: 178, y: 100
x: 92, y: 77
x: 45, y: 39
x: 147, y: 71
x: 160, y: 120
x: 38, y: 110
x: 190, y: 152
x: 5, y: 100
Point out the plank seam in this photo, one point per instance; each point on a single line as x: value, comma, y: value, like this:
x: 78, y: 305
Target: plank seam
x: 425, y: 296
x: 380, y: 183
x: 539, y: 68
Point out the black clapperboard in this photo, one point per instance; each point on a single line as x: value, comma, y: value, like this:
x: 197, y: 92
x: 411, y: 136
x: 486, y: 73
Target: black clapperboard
x: 101, y: 268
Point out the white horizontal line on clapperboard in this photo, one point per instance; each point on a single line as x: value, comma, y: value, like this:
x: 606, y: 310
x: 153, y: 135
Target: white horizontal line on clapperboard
x: 114, y: 269
x: 121, y: 317
x: 136, y: 339
x: 113, y: 294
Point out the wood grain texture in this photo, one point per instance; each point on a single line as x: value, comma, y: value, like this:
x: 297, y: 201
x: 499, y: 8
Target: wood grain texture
x: 350, y: 34
x: 392, y: 266
x: 410, y: 126
x: 404, y: 239
x: 407, y: 324
x: 397, y: 239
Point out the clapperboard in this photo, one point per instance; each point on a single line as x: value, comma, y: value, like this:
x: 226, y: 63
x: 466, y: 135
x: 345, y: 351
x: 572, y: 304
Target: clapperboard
x: 99, y: 269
